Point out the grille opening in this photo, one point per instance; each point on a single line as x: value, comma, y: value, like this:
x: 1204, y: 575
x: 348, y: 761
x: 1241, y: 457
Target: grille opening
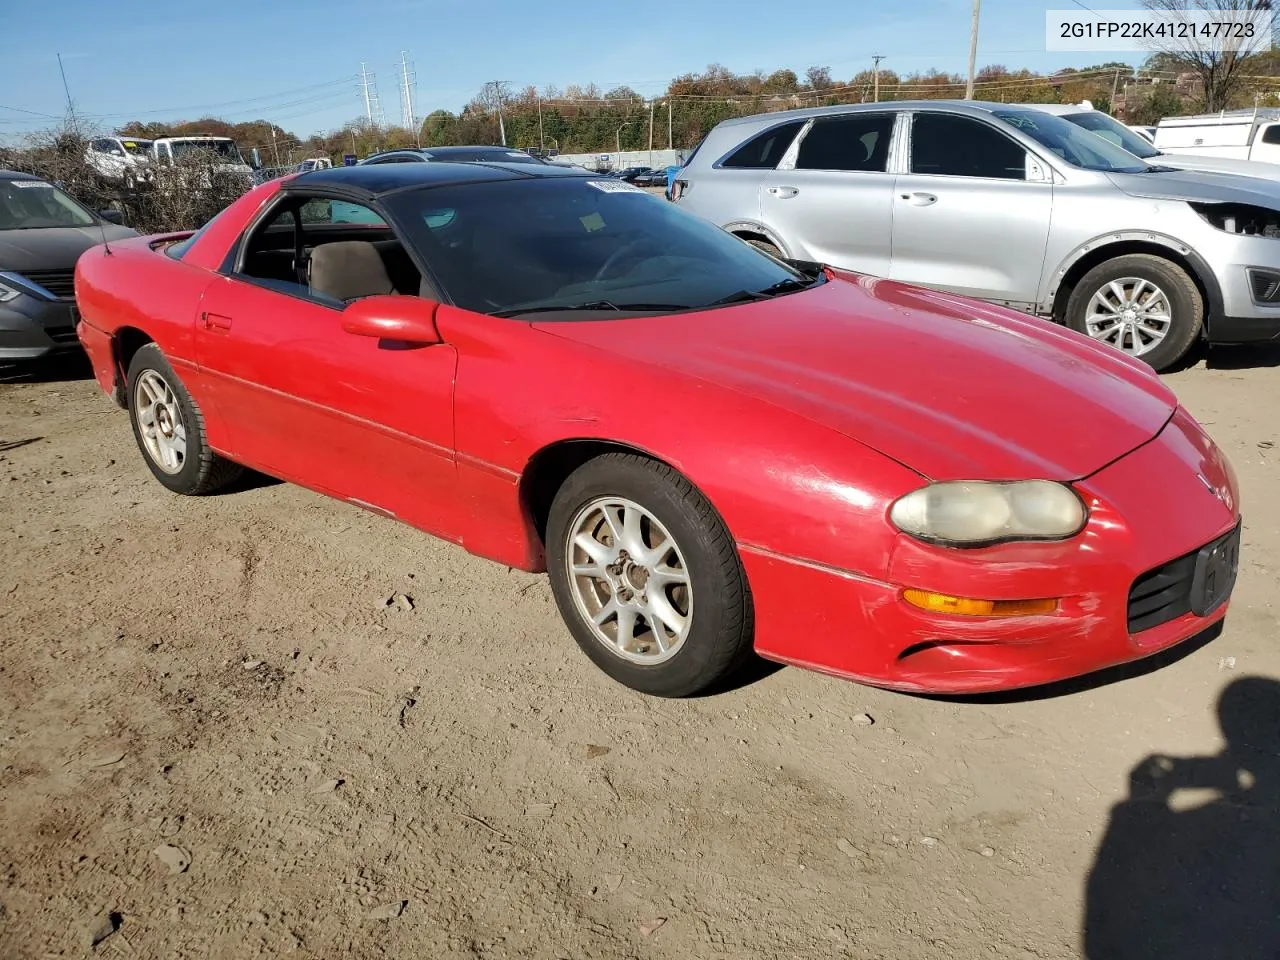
x: 61, y: 283
x: 1265, y: 286
x: 1162, y: 594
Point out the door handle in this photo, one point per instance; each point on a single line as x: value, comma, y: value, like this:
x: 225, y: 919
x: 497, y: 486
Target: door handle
x: 783, y: 193
x: 215, y: 321
x: 920, y: 199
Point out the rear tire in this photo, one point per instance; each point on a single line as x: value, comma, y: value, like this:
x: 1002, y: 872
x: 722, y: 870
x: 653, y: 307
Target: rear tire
x: 668, y: 596
x: 1118, y: 301
x: 169, y: 428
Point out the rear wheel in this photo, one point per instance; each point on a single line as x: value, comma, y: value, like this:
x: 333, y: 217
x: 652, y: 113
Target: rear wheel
x: 169, y: 428
x: 646, y: 577
x: 1141, y: 304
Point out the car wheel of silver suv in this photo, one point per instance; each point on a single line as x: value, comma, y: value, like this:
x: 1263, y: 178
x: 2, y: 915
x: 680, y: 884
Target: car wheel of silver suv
x: 1144, y: 305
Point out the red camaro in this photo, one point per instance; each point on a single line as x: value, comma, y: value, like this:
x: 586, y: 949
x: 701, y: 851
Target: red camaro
x: 710, y: 451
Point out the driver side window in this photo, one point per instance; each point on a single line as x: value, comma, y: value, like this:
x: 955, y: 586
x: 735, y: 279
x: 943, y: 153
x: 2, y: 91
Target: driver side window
x: 327, y: 250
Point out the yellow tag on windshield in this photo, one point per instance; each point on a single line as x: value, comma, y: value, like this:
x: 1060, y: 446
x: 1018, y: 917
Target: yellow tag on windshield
x: 593, y: 222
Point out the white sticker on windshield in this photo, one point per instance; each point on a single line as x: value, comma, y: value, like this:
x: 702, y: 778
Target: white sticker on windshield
x: 23, y: 184
x: 614, y: 186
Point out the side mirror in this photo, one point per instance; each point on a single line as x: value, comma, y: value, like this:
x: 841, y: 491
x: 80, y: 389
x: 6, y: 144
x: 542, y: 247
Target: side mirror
x: 409, y: 320
x: 112, y: 216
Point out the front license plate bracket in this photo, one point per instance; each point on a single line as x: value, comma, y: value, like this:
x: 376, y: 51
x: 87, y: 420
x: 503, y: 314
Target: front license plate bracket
x: 1217, y: 565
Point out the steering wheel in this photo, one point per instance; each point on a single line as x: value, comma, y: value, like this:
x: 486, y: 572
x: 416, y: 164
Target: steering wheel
x: 616, y: 256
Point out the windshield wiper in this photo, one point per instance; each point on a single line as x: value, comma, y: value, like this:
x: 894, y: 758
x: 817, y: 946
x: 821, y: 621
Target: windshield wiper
x: 782, y: 286
x: 592, y: 305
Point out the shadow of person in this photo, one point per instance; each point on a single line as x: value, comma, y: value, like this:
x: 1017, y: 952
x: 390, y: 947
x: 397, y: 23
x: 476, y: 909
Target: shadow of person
x: 1190, y: 864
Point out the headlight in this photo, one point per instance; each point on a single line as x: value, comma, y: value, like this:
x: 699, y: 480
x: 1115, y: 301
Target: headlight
x: 978, y: 513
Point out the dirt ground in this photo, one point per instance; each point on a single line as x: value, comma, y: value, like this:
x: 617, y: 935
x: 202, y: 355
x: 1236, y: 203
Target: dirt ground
x: 221, y: 737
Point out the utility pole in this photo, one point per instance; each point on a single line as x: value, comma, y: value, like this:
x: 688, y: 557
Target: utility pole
x: 71, y: 110
x: 670, y: 142
x: 408, y: 77
x: 876, y: 74
x: 973, y: 50
x: 369, y: 90
x: 274, y: 149
x: 651, y: 133
x: 497, y: 93
x: 542, y: 146
x: 1115, y: 88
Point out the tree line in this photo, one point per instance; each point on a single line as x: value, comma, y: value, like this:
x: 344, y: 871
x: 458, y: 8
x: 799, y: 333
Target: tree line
x: 586, y: 119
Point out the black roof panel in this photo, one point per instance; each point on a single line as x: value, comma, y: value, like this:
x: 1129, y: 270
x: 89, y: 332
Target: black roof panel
x: 374, y: 179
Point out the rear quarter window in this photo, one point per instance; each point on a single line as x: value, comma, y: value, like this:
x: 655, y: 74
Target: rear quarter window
x: 765, y: 150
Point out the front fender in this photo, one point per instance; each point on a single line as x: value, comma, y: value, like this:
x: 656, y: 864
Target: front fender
x: 1151, y: 238
x: 782, y: 483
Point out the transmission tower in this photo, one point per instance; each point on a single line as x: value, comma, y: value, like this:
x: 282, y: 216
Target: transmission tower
x: 369, y: 93
x: 408, y: 83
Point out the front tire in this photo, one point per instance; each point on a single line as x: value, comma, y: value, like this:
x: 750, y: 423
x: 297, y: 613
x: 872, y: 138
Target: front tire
x: 647, y: 578
x: 169, y: 428
x: 1143, y: 305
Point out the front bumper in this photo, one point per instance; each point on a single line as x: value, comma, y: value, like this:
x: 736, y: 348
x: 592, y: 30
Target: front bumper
x: 1147, y: 509
x: 32, y: 327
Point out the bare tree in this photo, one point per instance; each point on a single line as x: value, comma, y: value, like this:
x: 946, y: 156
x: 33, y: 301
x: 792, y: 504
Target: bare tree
x: 1216, y: 66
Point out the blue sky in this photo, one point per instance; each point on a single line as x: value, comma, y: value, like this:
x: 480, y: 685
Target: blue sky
x: 295, y: 64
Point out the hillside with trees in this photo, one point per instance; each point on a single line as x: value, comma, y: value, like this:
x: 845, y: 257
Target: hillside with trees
x: 586, y: 119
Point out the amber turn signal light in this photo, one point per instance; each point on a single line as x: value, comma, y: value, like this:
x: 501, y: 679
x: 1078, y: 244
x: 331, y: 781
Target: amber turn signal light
x: 967, y: 607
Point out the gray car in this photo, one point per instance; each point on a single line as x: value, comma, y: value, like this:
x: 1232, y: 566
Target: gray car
x: 42, y: 234
x: 1007, y: 204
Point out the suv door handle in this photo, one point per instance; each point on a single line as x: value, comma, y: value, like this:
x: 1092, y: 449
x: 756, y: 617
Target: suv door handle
x: 920, y: 199
x: 782, y: 193
x: 215, y: 321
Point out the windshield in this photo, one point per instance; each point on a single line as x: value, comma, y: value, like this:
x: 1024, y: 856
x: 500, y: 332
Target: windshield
x: 1076, y: 146
x: 1113, y: 130
x: 515, y: 246
x: 33, y: 204
x: 225, y: 149
x: 139, y: 148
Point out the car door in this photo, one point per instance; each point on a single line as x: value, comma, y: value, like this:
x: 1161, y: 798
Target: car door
x: 301, y: 399
x: 831, y: 200
x: 973, y: 211
x: 729, y: 193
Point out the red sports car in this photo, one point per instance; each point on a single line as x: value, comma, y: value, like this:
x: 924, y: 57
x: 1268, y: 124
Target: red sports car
x: 710, y: 451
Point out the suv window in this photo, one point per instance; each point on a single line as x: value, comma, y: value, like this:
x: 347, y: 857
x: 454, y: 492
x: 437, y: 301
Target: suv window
x: 854, y: 142
x: 1271, y: 134
x: 952, y: 146
x: 763, y: 151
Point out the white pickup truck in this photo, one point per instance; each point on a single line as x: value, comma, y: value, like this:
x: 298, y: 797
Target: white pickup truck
x: 165, y: 151
x: 1229, y: 135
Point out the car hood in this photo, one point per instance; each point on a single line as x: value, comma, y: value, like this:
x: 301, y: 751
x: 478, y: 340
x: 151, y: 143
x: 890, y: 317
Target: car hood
x: 952, y: 388
x: 1201, y: 186
x: 53, y: 248
x: 1242, y: 168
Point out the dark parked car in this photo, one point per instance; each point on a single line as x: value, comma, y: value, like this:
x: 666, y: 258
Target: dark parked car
x: 654, y: 178
x: 42, y: 234
x: 630, y: 173
x: 478, y: 154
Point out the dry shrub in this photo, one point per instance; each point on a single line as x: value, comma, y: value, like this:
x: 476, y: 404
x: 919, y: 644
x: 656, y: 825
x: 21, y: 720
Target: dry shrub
x: 181, y: 196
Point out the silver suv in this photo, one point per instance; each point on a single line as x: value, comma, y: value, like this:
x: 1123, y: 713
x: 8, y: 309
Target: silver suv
x: 1007, y: 204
